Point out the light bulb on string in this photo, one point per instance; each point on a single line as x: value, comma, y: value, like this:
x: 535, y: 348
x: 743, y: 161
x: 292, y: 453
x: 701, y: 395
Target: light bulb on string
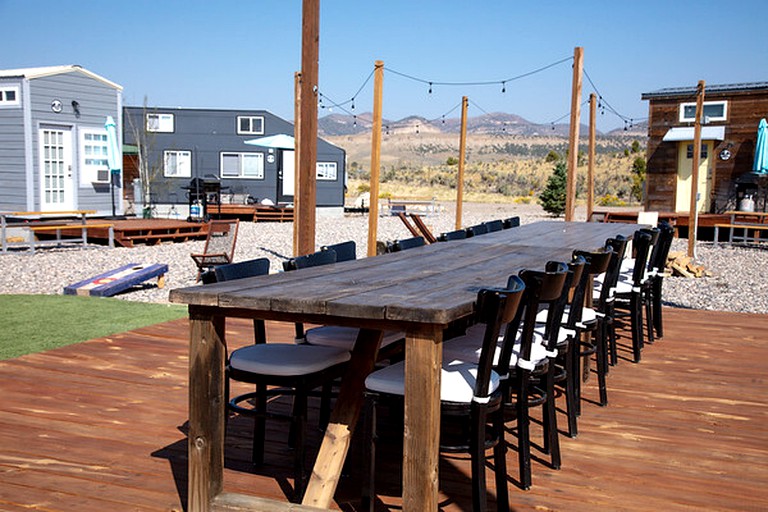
x: 503, y: 87
x: 443, y: 118
x: 353, y: 103
x: 430, y: 87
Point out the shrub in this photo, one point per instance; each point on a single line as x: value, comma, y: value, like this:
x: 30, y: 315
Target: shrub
x: 552, y: 199
x: 610, y: 200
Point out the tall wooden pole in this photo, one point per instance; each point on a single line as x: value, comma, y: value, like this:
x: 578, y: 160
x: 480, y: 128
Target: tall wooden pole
x: 310, y: 50
x: 462, y: 159
x: 693, y: 213
x: 591, y: 165
x: 296, y: 161
x: 573, y: 139
x: 373, y: 210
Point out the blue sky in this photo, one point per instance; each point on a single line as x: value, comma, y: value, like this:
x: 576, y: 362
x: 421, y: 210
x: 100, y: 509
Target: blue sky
x: 243, y: 54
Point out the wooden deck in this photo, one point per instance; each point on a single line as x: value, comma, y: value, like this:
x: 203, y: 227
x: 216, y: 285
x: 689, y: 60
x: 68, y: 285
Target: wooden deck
x: 252, y: 212
x: 130, y: 232
x: 706, y: 221
x: 100, y: 426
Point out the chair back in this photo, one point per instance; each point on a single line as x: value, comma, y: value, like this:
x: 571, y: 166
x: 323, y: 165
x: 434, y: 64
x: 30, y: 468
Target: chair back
x: 459, y: 234
x: 315, y: 259
x: 221, y: 239
x: 494, y: 225
x: 595, y: 263
x: 494, y: 308
x: 578, y: 281
x: 618, y: 247
x: 511, y: 222
x: 660, y: 252
x: 406, y: 243
x: 540, y: 286
x: 345, y: 251
x: 242, y: 269
x: 476, y: 230
x: 642, y: 240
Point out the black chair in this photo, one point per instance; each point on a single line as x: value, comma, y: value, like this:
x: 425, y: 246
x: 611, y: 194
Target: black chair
x: 345, y: 251
x: 494, y: 225
x: 459, y: 234
x: 278, y: 369
x: 334, y: 335
x: 658, y: 264
x: 405, y: 244
x: 629, y: 290
x: 603, y: 290
x: 470, y: 398
x: 524, y: 357
x: 477, y: 230
x: 511, y: 222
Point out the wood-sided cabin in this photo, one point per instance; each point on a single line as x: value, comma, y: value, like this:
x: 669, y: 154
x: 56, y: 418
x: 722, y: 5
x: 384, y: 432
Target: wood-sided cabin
x: 210, y: 144
x: 53, y: 141
x: 729, y: 132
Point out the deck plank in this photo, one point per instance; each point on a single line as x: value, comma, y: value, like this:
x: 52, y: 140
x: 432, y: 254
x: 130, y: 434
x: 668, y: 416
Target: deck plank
x: 100, y: 425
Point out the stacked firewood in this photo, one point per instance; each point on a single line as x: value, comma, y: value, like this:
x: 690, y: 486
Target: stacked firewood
x: 680, y: 264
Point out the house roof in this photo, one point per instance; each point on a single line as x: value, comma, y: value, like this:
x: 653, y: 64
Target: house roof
x: 40, y: 72
x: 671, y: 92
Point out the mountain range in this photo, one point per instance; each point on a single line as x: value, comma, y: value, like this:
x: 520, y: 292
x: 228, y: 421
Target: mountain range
x: 497, y: 123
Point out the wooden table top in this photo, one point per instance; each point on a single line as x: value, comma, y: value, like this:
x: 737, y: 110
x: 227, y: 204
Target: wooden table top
x: 435, y: 284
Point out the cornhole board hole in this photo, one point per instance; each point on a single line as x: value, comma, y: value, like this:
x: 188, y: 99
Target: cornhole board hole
x: 118, y: 280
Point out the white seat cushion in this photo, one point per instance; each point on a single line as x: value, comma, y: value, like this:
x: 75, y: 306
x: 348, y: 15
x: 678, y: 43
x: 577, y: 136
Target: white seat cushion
x: 345, y: 337
x: 468, y: 347
x: 281, y: 359
x: 457, y: 381
x: 588, y: 315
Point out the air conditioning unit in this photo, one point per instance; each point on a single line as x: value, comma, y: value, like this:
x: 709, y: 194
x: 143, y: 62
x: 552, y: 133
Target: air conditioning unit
x: 102, y: 176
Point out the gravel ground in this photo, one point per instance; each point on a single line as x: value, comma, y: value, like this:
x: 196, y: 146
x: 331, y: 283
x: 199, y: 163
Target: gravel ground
x: 739, y: 283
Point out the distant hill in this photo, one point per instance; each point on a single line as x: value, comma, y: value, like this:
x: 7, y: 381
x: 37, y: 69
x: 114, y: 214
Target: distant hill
x: 497, y: 123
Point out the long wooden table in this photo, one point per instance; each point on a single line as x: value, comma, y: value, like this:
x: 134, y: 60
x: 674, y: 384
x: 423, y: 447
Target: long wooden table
x: 420, y: 291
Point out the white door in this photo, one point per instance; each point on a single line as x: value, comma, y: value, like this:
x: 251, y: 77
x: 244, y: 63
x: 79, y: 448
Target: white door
x: 56, y: 182
x: 684, y: 173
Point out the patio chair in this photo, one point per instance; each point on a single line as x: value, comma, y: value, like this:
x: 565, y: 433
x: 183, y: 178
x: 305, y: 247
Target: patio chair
x: 470, y: 399
x: 459, y: 234
x: 334, y: 335
x: 494, y: 225
x: 405, y: 244
x: 219, y: 246
x: 279, y: 369
x: 477, y: 230
x: 511, y: 222
x: 425, y: 231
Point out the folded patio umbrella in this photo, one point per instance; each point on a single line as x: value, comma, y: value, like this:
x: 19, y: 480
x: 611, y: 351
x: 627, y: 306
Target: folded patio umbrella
x: 761, y: 148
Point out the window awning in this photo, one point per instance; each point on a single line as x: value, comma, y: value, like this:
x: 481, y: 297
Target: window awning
x: 682, y: 133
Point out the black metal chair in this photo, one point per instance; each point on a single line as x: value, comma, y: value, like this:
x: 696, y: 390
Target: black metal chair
x: 494, y: 225
x: 345, y: 251
x: 459, y: 234
x: 477, y: 230
x: 278, y: 369
x: 405, y: 244
x: 511, y: 222
x: 470, y: 398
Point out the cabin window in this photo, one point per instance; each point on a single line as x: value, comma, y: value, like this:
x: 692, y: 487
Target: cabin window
x: 326, y: 171
x: 93, y: 157
x: 242, y: 165
x: 713, y: 111
x: 689, y: 151
x: 177, y: 164
x: 9, y: 96
x: 250, y: 125
x: 162, y: 123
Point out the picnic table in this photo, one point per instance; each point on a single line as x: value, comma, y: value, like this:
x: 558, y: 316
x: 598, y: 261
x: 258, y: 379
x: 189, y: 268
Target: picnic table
x: 421, y: 291
x: 740, y: 226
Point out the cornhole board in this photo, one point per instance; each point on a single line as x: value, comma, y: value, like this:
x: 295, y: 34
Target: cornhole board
x: 118, y: 280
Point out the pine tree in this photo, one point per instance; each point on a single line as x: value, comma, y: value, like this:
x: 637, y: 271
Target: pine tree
x: 552, y: 199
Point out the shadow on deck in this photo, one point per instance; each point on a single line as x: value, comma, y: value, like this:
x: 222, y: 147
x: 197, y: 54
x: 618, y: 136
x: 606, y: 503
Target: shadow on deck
x: 101, y: 426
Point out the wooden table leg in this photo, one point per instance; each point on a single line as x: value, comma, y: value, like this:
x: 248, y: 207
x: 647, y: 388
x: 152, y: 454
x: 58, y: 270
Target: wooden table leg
x: 206, y: 408
x: 421, y: 438
x: 333, y: 450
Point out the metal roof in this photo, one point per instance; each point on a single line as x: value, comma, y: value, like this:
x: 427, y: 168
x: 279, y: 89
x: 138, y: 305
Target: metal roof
x: 32, y: 73
x: 691, y: 91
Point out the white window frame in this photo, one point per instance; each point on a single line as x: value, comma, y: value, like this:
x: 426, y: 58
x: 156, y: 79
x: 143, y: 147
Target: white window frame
x: 689, y: 119
x: 166, y: 123
x: 251, y: 130
x: 93, y: 165
x: 330, y: 172
x: 4, y: 101
x: 258, y: 155
x: 183, y: 167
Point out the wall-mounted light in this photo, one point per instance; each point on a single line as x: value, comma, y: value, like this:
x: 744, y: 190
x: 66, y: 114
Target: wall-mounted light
x: 76, y: 108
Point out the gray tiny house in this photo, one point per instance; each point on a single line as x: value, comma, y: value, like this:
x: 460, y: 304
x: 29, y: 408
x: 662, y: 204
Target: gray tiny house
x: 182, y: 144
x: 53, y: 139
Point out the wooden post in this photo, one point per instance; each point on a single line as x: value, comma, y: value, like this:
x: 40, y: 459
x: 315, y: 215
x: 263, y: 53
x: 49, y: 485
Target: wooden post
x: 296, y: 160
x: 591, y: 165
x: 573, y: 139
x: 307, y: 173
x: 373, y: 209
x: 693, y: 214
x: 462, y: 158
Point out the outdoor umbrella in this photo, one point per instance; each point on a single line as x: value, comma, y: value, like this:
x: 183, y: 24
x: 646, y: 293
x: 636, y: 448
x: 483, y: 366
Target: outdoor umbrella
x: 113, y: 156
x: 279, y: 141
x: 761, y: 148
